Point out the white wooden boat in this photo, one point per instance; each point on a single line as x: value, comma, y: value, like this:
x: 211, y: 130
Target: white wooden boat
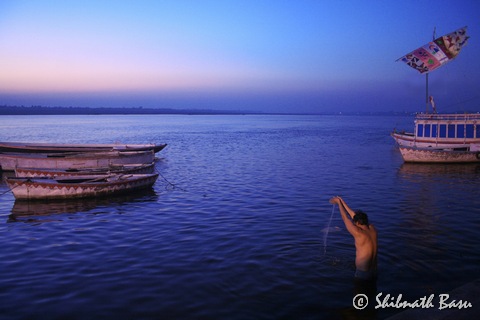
x: 113, y: 169
x: 78, y: 186
x: 445, y: 138
x: 429, y: 155
x: 23, y: 147
x: 11, y: 161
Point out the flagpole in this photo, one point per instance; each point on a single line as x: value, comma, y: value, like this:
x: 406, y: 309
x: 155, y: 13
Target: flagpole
x: 426, y: 92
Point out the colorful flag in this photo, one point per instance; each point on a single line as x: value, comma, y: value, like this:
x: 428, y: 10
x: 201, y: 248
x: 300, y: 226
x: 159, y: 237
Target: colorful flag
x: 437, y: 53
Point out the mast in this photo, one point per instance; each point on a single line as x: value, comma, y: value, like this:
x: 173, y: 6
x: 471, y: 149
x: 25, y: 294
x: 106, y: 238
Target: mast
x: 426, y: 76
x: 426, y: 92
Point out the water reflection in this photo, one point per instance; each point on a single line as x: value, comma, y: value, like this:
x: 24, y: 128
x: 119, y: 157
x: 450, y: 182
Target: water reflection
x: 427, y: 169
x: 44, y: 211
x: 430, y: 196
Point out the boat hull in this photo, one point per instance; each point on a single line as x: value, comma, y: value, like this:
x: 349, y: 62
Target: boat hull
x: 53, y: 173
x: 11, y: 161
x: 42, y: 189
x: 420, y: 155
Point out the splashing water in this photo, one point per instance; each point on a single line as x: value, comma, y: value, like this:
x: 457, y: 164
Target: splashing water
x: 325, y: 236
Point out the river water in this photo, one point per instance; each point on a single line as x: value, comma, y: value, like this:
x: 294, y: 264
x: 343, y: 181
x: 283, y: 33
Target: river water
x: 239, y: 225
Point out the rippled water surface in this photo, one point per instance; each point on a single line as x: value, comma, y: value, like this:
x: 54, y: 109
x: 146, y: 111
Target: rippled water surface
x: 236, y: 226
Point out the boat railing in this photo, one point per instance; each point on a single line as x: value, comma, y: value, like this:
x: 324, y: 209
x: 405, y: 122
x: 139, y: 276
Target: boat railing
x: 436, y: 116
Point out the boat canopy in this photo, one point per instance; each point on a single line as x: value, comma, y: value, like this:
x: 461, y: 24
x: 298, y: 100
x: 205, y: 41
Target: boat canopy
x: 449, y: 116
x: 451, y: 126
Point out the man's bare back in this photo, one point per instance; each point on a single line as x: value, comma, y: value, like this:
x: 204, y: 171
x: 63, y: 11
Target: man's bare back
x: 366, y: 248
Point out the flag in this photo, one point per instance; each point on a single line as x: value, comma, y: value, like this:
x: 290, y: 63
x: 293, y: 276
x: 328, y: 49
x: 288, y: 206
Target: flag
x: 438, y: 52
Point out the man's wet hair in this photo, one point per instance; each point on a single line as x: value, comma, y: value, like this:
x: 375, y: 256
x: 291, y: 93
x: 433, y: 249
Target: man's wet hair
x: 360, y: 217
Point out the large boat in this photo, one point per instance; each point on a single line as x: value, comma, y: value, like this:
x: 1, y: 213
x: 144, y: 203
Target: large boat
x: 446, y: 138
x: 442, y: 131
x: 11, y: 161
x: 78, y: 186
x: 23, y: 147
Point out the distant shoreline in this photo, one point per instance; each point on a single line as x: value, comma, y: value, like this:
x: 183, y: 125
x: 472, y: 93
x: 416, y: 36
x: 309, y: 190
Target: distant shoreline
x: 41, y: 110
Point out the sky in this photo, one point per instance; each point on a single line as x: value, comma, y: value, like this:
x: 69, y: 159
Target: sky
x: 264, y: 56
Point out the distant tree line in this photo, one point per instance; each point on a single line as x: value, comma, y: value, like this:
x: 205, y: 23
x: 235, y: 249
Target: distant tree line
x: 42, y: 110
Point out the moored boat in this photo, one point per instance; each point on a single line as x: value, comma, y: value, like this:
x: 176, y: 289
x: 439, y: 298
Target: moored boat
x: 113, y: 169
x: 23, y: 147
x: 444, y: 138
x: 78, y: 186
x: 11, y: 161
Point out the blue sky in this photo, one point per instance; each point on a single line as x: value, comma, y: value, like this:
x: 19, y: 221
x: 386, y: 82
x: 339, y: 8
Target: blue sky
x: 271, y: 56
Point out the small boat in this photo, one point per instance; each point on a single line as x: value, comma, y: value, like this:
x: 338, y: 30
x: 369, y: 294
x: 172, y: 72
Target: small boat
x: 22, y: 147
x: 11, y: 161
x: 439, y: 138
x: 430, y: 155
x: 78, y: 186
x: 113, y: 169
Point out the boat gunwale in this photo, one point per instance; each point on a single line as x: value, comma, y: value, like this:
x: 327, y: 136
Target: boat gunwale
x: 79, y: 155
x: 21, y: 172
x: 41, y: 147
x: 56, y: 183
x: 413, y: 138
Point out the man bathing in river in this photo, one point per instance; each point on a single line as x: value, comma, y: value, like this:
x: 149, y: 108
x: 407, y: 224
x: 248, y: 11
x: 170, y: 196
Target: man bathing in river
x: 365, y: 237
